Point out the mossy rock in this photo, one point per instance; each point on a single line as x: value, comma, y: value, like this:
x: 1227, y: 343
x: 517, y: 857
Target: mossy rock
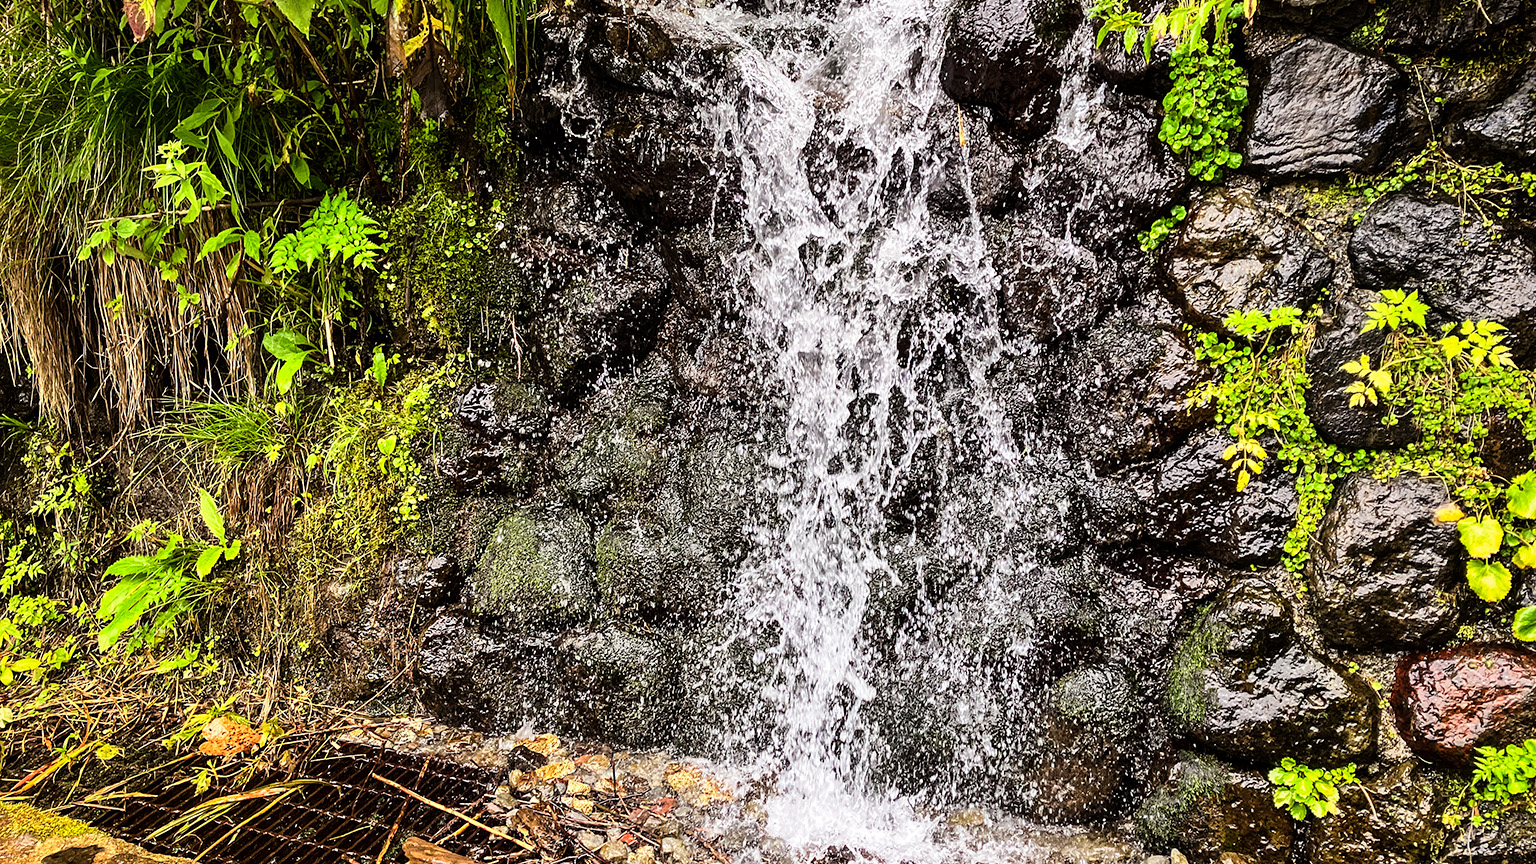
x: 19, y: 819
x: 537, y: 569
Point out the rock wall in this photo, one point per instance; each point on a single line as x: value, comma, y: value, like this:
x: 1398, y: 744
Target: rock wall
x: 600, y: 480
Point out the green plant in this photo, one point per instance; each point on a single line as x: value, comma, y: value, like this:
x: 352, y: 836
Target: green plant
x: 1501, y: 781
x: 1300, y: 790
x: 1202, y: 113
x: 168, y: 582
x: 1153, y: 237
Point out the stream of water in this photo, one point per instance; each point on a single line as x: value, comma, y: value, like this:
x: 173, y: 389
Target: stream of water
x: 865, y: 302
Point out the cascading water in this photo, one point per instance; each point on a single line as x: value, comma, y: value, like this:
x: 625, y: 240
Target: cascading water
x: 863, y: 301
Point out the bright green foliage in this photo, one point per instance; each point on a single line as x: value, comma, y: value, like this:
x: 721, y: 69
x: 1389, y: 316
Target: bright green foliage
x: 337, y: 230
x: 1484, y: 190
x: 1300, y: 790
x: 1490, y: 580
x: 1153, y: 237
x: 1262, y: 392
x: 161, y: 582
x: 1501, y: 781
x: 1203, y: 113
x: 1525, y: 624
x: 291, y: 349
x: 1482, y: 535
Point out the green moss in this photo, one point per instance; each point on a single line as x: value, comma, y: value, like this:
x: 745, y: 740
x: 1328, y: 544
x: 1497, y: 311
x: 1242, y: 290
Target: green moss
x: 537, y: 568
x: 1188, y: 698
x: 1370, y: 35
x: 1160, y: 819
x: 438, y: 260
x: 19, y: 819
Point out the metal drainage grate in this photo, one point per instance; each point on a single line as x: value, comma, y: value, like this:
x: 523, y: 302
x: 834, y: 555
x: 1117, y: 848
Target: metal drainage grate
x: 345, y: 819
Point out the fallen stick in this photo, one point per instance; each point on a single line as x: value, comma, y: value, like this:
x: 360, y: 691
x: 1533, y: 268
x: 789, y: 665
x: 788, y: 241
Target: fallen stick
x: 494, y: 832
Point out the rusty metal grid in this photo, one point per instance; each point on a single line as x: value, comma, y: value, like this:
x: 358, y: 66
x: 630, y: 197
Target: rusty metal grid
x: 346, y: 819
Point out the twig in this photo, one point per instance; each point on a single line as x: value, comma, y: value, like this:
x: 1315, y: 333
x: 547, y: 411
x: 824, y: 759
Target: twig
x: 394, y: 829
x: 494, y: 832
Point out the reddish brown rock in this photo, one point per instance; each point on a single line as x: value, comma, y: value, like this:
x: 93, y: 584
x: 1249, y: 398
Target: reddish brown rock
x: 1449, y: 702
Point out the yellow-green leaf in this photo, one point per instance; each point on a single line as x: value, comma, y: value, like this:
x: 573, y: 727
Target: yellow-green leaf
x: 1489, y: 580
x: 1522, y: 495
x: 1525, y: 624
x: 1483, y: 535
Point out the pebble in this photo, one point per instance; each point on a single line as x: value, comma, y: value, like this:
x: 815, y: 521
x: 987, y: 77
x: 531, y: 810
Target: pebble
x: 676, y: 850
x: 613, y: 851
x: 590, y: 841
x: 643, y: 855
x: 1177, y: 857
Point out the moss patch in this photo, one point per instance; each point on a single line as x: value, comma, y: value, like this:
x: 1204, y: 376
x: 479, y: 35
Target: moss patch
x: 1188, y: 699
x: 1160, y: 819
x: 19, y: 819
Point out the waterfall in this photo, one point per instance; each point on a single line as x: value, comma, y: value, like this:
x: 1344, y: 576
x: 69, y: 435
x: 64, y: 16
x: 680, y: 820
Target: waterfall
x: 863, y: 301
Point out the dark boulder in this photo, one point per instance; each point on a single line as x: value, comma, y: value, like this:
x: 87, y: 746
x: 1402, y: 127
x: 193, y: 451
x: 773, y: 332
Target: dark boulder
x: 978, y: 173
x: 423, y: 585
x: 1132, y: 379
x: 1094, y: 712
x: 1384, y: 573
x: 1323, y: 109
x: 654, y: 150
x: 623, y: 686
x: 1398, y: 824
x: 1445, y: 25
x: 1190, y: 500
x: 1341, y: 339
x: 1106, y: 181
x: 1318, y: 16
x: 1206, y: 809
x: 537, y: 570
x: 1005, y: 55
x: 1242, y: 685
x: 1460, y: 269
x: 1448, y: 703
x: 1507, y: 131
x: 1505, y: 450
x: 1236, y: 255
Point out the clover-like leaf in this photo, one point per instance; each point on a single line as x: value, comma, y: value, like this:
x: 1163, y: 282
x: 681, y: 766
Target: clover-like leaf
x: 1490, y: 580
x: 1525, y: 624
x: 1481, y: 535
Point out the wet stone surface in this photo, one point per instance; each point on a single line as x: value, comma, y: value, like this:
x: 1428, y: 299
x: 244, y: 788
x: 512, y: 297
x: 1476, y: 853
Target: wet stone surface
x: 1399, y: 824
x: 1243, y: 686
x: 1384, y: 573
x: 1448, y: 703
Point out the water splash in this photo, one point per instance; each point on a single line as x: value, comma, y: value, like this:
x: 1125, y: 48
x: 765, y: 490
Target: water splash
x: 865, y: 303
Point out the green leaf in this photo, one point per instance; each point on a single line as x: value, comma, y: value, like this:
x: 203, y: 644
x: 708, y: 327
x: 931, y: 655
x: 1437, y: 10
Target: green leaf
x: 286, y: 345
x: 287, y: 371
x: 501, y: 22
x: 209, y: 510
x: 299, y: 12
x: 1489, y: 580
x: 1482, y: 536
x: 207, y: 560
x: 1525, y: 624
x: 134, y: 565
x: 1522, y: 495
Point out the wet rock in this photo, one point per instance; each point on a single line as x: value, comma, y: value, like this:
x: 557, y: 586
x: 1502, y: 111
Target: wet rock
x: 655, y: 151
x: 1440, y: 25
x: 459, y: 669
x: 1510, y: 839
x: 537, y: 569
x: 1507, y: 131
x: 1134, y: 374
x: 650, y: 565
x: 1100, y: 186
x: 1242, y: 685
x: 1448, y: 703
x: 1460, y: 270
x: 981, y: 170
x: 424, y: 584
x: 1341, y: 339
x: 1094, y: 712
x: 1318, y: 16
x: 1190, y: 500
x: 1234, y: 254
x: 1005, y: 55
x: 1207, y: 809
x: 1323, y: 109
x: 1399, y: 824
x: 1505, y: 451
x: 1385, y: 574
x: 623, y: 686
x: 613, y: 450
